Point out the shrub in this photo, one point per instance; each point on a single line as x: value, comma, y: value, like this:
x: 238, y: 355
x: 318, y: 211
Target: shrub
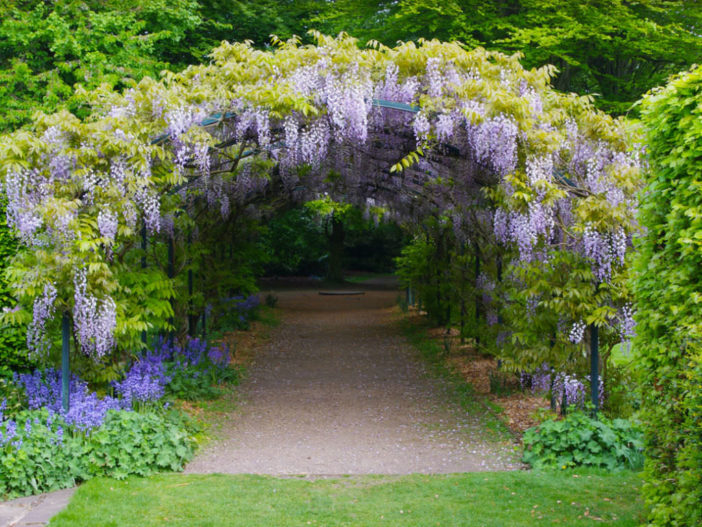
x: 237, y: 312
x: 667, y: 285
x: 579, y: 440
x: 43, y: 448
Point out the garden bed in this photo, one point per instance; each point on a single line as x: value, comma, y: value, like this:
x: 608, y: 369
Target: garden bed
x: 519, y: 410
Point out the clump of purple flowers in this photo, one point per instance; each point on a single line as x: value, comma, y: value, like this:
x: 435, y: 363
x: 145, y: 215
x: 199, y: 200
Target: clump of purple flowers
x: 242, y: 308
x: 145, y: 381
x: 569, y: 389
x: 539, y: 381
x: 565, y: 388
x: 8, y: 434
x: 194, y: 352
x: 245, y: 306
x: 86, y: 409
x: 148, y: 378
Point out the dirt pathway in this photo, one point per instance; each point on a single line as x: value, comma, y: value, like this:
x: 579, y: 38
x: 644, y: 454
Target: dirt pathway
x: 339, y: 391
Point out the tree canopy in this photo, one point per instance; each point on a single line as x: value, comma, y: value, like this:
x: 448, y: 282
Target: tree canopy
x: 47, y: 48
x: 615, y: 50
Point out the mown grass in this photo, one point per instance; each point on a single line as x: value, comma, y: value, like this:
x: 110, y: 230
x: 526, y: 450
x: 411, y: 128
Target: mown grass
x: 570, y: 498
x: 364, y: 277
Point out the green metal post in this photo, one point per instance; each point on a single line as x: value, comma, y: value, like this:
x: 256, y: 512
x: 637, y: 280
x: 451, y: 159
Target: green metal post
x: 477, y: 295
x: 192, y: 321
x: 594, y: 368
x: 143, y: 264
x: 65, y: 362
x: 171, y: 275
x: 204, y: 324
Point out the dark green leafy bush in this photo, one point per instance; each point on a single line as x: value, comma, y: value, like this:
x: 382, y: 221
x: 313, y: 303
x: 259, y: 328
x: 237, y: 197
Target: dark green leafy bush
x: 41, y: 457
x: 41, y: 453
x: 579, y: 440
x: 13, y: 348
x: 138, y: 443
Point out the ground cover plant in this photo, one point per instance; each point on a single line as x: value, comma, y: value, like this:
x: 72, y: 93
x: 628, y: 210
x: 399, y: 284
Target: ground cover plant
x: 579, y: 440
x: 474, y: 499
x: 132, y: 431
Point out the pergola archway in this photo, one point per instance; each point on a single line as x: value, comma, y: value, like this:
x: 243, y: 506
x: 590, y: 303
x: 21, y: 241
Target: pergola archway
x: 470, y: 137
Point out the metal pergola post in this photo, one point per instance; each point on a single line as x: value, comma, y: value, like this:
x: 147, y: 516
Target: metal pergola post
x: 143, y: 265
x: 65, y: 362
x: 171, y: 275
x: 192, y: 320
x: 594, y: 368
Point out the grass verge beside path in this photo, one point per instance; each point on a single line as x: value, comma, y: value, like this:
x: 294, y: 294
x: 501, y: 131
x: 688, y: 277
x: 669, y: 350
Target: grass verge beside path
x: 434, y: 354
x: 570, y: 498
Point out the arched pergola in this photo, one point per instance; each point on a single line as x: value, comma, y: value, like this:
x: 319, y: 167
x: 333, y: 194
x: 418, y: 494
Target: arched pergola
x: 467, y: 136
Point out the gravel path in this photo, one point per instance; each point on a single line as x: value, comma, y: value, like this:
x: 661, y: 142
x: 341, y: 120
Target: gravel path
x: 338, y: 390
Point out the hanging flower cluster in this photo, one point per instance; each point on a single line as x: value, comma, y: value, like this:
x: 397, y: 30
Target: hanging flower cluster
x: 95, y: 320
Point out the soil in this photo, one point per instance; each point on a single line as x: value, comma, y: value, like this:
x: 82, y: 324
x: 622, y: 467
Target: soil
x: 519, y: 410
x: 336, y: 389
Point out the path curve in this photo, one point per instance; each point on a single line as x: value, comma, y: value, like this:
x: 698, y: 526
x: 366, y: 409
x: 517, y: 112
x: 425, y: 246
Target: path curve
x: 338, y: 390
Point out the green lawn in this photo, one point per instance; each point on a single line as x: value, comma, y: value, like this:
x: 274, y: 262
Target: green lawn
x: 491, y: 498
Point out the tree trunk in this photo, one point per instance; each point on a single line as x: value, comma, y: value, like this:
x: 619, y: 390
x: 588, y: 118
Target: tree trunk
x: 335, y: 271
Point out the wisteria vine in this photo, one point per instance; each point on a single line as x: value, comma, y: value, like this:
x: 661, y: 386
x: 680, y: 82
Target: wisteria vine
x: 414, y: 130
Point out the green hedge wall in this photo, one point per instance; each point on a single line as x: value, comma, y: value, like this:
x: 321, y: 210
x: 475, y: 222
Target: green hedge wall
x: 13, y: 349
x: 668, y: 285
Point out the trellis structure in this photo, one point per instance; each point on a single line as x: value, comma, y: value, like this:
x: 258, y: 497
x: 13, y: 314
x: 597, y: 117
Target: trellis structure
x: 468, y: 137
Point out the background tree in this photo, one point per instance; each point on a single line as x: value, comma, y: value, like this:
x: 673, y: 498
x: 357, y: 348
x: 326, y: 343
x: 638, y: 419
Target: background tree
x: 615, y: 51
x: 46, y: 48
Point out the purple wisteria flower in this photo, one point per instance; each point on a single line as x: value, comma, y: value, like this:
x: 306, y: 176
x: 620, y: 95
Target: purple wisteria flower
x: 94, y: 320
x: 541, y: 379
x: 577, y: 332
x: 107, y: 224
x: 569, y: 389
x: 627, y: 325
x: 43, y: 311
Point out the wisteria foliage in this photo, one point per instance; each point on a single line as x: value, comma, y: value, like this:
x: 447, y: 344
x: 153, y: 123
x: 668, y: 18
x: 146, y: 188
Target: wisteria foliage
x: 473, y: 130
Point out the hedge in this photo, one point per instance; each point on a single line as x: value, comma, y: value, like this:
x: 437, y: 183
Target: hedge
x: 13, y: 348
x: 668, y: 286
